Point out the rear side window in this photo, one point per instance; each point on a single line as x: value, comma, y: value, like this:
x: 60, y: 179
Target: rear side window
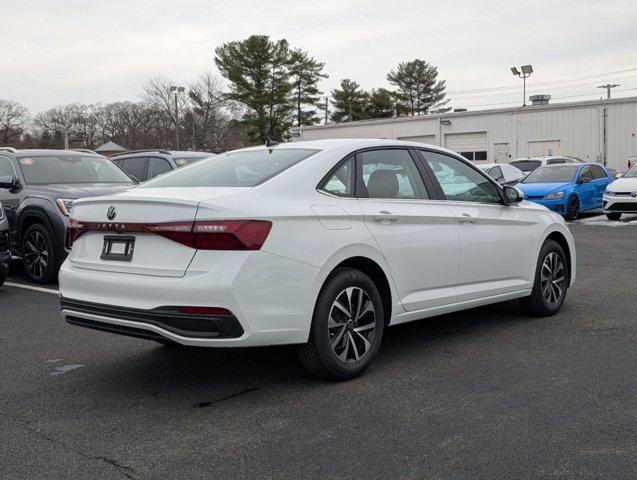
x: 242, y: 168
x: 341, y: 182
x: 157, y: 166
x: 135, y: 166
x: 496, y: 173
x: 598, y: 172
x: 6, y: 168
x: 527, y: 165
x: 390, y: 173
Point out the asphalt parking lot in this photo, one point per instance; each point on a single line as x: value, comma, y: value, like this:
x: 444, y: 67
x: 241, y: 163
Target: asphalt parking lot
x: 487, y: 393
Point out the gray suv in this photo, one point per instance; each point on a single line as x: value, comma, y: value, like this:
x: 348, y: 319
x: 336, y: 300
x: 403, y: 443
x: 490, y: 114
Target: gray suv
x: 5, y: 246
x: 37, y: 190
x: 146, y: 164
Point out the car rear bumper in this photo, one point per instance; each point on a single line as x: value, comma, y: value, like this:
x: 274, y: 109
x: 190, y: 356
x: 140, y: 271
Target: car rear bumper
x: 620, y: 204
x: 270, y: 298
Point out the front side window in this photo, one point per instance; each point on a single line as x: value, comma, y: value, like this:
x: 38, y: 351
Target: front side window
x: 341, y: 181
x: 242, y: 168
x: 459, y: 181
x: 390, y: 173
x: 585, y: 175
x: 52, y: 169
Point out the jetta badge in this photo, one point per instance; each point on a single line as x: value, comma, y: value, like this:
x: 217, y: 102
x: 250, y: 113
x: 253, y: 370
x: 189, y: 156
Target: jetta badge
x: 111, y: 213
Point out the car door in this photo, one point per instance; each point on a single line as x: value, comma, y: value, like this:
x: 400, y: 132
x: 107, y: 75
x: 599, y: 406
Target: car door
x: 415, y: 232
x: 586, y: 188
x: 495, y: 239
x: 600, y: 182
x: 10, y: 199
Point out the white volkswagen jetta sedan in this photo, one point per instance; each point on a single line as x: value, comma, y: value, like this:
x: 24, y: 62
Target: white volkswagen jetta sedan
x: 321, y: 244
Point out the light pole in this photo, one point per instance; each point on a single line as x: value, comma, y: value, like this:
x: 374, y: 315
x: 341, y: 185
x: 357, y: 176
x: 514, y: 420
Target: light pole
x: 526, y: 72
x: 176, y: 89
x: 608, y: 86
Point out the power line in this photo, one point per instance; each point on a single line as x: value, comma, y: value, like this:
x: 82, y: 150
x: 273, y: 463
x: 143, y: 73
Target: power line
x: 550, y: 82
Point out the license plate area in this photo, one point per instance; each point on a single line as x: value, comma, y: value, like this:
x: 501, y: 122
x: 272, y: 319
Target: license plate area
x: 118, y: 248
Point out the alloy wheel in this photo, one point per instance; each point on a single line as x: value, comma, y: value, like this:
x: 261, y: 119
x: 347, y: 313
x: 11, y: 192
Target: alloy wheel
x: 36, y: 254
x: 351, y: 324
x: 573, y: 207
x: 552, y: 278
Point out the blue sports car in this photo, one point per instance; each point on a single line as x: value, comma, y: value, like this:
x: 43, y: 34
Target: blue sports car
x: 567, y: 188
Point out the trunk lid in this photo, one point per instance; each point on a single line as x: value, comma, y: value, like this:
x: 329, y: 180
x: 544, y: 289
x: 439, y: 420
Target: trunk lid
x: 152, y: 254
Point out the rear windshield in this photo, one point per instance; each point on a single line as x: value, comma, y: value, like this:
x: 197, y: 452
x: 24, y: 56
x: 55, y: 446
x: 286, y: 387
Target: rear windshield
x: 526, y: 165
x: 552, y: 174
x: 233, y: 169
x: 51, y: 169
x: 183, y: 161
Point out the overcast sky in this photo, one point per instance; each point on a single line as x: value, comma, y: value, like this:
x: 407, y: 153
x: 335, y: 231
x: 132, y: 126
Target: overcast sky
x: 59, y: 51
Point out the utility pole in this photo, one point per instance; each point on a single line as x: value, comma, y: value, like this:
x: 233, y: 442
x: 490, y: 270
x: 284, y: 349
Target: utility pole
x: 526, y: 72
x: 608, y: 87
x: 326, y: 109
x: 177, y: 90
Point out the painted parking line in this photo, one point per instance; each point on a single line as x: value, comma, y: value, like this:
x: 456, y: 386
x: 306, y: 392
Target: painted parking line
x: 32, y: 287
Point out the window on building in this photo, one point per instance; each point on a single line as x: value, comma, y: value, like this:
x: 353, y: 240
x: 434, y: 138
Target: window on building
x: 477, y: 156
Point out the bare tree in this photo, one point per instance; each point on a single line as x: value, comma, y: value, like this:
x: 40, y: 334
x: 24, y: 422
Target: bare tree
x: 14, y: 120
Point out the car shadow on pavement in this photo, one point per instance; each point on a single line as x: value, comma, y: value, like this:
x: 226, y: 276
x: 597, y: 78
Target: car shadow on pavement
x: 219, y: 374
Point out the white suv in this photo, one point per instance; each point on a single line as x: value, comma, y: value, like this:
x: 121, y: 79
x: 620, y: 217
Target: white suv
x: 321, y: 244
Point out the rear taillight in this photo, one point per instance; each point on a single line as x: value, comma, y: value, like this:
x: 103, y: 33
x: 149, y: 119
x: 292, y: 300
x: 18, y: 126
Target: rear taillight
x: 209, y: 235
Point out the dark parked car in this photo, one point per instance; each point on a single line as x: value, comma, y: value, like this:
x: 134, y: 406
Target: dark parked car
x: 37, y: 190
x: 147, y: 164
x: 5, y: 246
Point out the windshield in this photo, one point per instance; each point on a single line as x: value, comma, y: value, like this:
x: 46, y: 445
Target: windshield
x: 552, y: 174
x: 245, y: 168
x: 50, y: 169
x: 632, y: 173
x: 526, y: 165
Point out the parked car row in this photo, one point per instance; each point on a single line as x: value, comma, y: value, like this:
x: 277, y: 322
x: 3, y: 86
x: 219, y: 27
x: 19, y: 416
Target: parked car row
x: 5, y: 246
x: 146, y: 164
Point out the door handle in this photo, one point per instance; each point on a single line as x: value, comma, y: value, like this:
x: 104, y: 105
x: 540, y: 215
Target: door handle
x: 386, y: 217
x: 466, y: 218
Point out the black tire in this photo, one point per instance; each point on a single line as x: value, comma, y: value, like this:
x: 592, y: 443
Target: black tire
x: 572, y: 208
x: 537, y: 304
x: 4, y: 273
x: 329, y: 355
x: 614, y: 215
x: 39, y: 255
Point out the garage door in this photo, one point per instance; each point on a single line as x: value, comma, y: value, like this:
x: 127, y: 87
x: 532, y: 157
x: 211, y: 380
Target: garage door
x: 540, y: 148
x: 420, y: 138
x: 472, y: 146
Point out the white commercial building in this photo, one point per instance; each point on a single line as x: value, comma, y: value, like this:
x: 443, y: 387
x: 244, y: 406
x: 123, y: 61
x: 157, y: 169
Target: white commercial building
x: 601, y: 131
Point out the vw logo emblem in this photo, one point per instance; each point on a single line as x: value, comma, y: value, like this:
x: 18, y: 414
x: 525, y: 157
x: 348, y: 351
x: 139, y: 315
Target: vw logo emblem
x: 111, y: 213
x: 634, y: 194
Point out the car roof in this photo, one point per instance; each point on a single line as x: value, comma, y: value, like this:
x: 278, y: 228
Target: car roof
x: 42, y: 151
x: 354, y: 143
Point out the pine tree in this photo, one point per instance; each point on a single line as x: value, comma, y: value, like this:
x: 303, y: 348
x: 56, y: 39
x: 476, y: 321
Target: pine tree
x: 258, y: 71
x: 306, y: 73
x: 382, y: 103
x: 419, y: 89
x: 350, y: 102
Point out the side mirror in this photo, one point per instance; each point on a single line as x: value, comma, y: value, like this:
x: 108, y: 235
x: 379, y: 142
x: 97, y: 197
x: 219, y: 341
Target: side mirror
x: 512, y: 195
x: 7, y: 182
